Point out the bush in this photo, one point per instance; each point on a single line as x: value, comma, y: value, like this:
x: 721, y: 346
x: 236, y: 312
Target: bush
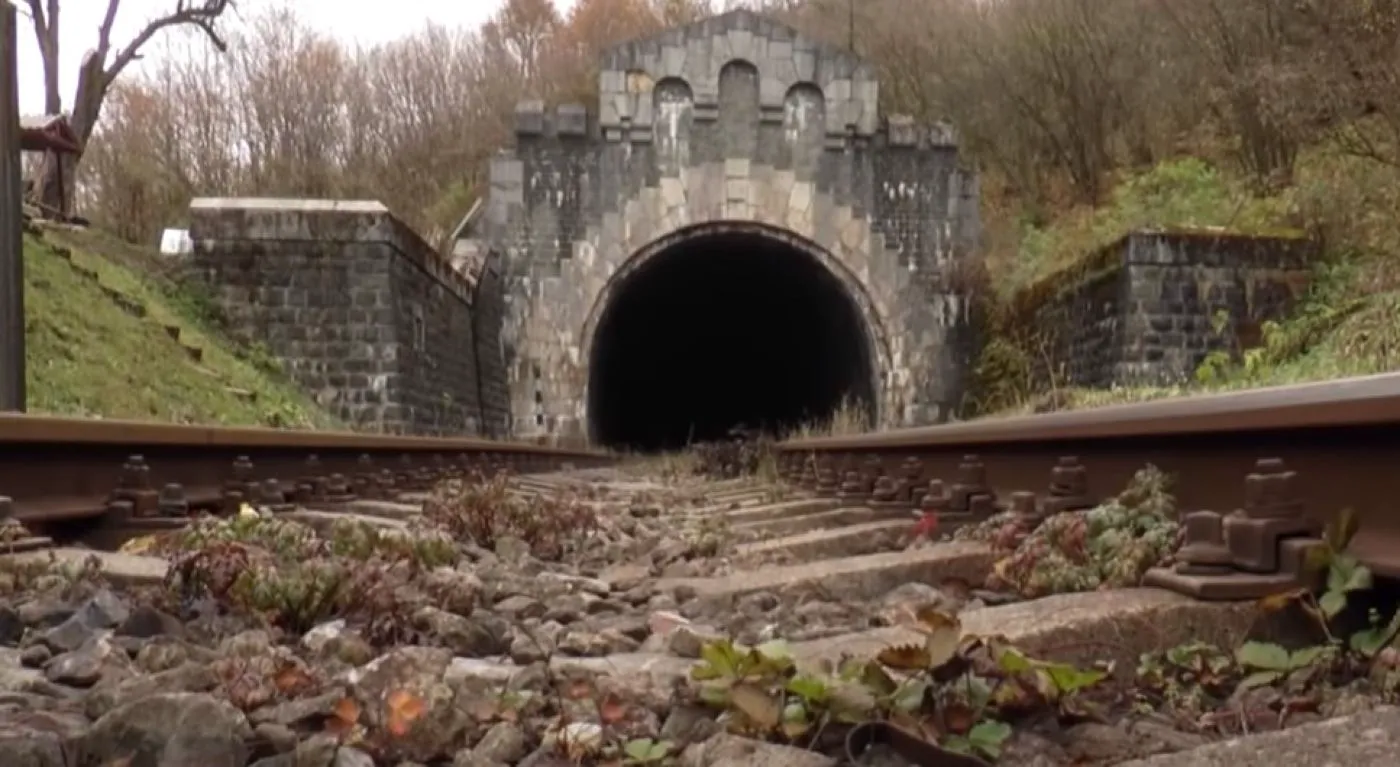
x: 484, y: 511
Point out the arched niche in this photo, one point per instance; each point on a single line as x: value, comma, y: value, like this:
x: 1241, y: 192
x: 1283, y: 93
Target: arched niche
x: 738, y: 108
x: 804, y: 128
x: 673, y: 107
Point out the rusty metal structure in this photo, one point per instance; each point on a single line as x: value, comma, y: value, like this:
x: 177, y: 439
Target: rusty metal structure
x: 67, y: 472
x: 1257, y: 474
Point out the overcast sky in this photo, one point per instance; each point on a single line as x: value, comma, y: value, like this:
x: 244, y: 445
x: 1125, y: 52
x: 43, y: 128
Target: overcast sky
x: 353, y: 20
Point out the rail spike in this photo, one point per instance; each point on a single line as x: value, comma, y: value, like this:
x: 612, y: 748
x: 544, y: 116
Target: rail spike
x: 1069, y: 487
x: 241, y: 487
x: 133, y: 496
x: 971, y: 496
x: 172, y: 501
x: 1253, y: 552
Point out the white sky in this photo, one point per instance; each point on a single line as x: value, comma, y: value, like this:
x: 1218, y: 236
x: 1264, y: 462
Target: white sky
x: 352, y: 20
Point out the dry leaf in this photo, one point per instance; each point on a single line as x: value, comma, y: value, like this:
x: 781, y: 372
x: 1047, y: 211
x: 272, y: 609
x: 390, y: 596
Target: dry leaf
x: 344, y: 716
x: 291, y: 679
x: 761, y: 708
x: 403, y: 709
x: 942, y: 635
x: 1275, y: 602
x: 908, y: 657
x: 611, y: 709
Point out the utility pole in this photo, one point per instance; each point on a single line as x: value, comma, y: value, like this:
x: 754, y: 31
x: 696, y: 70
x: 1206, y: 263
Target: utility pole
x: 12, y: 394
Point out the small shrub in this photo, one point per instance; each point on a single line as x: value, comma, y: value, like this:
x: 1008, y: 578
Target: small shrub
x: 483, y: 510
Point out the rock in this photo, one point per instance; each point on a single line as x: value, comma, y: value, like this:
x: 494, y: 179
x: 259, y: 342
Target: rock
x: 687, y: 641
x: 347, y: 756
x: 456, y: 591
x: 585, y: 644
x: 35, y: 656
x: 283, y: 739
x: 724, y: 750
x: 520, y: 607
x: 44, y: 613
x: 11, y: 626
x: 482, y: 635
x: 511, y: 549
x: 504, y: 743
x: 420, y: 672
x: 145, y: 622
x: 169, y: 730
x: 83, y: 666
x: 689, y: 724
x: 297, y: 711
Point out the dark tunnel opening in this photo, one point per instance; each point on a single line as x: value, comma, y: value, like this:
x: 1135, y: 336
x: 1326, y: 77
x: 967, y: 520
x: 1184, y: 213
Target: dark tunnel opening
x: 721, y: 330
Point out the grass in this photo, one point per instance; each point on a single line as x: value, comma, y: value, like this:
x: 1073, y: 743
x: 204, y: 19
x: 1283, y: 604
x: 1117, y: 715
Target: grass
x: 1348, y: 324
x: 89, y: 357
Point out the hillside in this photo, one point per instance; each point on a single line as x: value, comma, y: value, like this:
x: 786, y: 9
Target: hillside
x: 110, y: 337
x: 1348, y: 324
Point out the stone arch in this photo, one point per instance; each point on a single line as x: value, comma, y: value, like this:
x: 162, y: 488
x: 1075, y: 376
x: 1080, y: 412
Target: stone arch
x: 874, y: 326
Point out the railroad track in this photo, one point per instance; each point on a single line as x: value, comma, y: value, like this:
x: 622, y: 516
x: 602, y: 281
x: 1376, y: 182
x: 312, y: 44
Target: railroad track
x: 1258, y: 474
x: 67, y: 478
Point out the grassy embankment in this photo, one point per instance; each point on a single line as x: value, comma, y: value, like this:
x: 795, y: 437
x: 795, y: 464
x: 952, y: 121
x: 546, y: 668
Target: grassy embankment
x: 111, y: 334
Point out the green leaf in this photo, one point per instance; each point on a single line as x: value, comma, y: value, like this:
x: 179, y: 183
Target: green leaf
x: 987, y: 736
x: 1372, y: 640
x: 1306, y: 657
x: 1332, y: 603
x: 641, y: 749
x: 716, y: 695
x: 1068, y: 679
x: 1348, y: 574
x: 660, y: 750
x: 1260, y: 679
x: 910, y: 696
x: 1013, y: 661
x: 722, y: 657
x: 1342, y: 530
x: 1262, y: 655
x: 809, y: 688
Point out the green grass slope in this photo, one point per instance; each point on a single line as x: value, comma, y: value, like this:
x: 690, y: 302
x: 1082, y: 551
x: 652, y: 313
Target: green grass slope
x: 109, y: 339
x: 1348, y: 324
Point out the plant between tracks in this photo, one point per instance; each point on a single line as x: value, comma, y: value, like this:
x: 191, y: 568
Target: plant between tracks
x: 961, y: 691
x: 483, y: 510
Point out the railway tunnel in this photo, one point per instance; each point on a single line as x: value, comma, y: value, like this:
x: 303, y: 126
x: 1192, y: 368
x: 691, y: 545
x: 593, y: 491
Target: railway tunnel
x: 729, y: 327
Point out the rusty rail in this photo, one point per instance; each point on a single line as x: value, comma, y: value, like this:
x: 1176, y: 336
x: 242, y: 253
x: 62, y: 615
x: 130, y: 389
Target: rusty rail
x: 1257, y: 473
x: 62, y: 470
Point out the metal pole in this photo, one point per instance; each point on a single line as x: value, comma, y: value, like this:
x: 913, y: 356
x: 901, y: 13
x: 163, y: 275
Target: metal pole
x: 12, y: 394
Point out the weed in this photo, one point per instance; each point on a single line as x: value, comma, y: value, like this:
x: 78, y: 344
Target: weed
x: 483, y: 510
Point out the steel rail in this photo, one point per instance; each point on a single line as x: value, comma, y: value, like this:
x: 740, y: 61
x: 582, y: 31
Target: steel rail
x: 1337, y: 445
x: 64, y: 470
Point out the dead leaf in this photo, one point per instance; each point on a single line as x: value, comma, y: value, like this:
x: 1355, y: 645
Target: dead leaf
x: 403, y: 709
x: 292, y: 679
x: 1275, y: 602
x: 611, y: 709
x: 343, y: 717
x: 758, y: 705
x: 909, y: 657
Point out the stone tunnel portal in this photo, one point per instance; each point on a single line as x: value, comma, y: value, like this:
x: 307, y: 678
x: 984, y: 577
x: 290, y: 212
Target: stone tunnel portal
x: 725, y: 328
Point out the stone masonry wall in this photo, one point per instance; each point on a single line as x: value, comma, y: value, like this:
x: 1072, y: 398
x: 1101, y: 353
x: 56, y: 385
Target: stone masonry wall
x: 739, y: 119
x: 359, y: 310
x: 1149, y: 310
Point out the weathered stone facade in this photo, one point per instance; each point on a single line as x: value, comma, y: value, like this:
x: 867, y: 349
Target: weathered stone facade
x: 360, y: 311
x: 1154, y: 304
x: 735, y: 121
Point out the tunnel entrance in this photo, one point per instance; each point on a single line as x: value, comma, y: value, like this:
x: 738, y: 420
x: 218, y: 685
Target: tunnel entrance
x: 724, y: 329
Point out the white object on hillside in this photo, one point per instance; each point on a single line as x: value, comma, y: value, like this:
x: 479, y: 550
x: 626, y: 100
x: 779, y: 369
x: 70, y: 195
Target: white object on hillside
x: 175, y: 242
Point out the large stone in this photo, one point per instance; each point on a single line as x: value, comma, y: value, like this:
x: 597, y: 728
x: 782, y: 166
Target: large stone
x: 1369, y: 739
x: 169, y: 730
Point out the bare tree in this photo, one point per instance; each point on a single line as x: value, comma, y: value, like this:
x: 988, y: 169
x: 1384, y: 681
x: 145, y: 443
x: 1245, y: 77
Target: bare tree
x: 99, y: 69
